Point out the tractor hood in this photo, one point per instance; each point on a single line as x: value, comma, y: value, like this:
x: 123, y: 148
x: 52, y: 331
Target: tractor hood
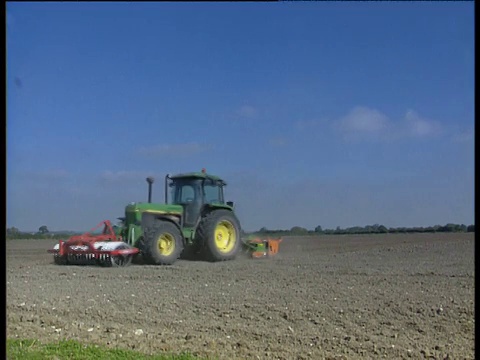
x: 154, y: 208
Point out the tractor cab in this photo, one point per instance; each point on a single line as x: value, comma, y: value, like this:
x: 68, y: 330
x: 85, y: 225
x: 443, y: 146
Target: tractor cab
x: 194, y: 191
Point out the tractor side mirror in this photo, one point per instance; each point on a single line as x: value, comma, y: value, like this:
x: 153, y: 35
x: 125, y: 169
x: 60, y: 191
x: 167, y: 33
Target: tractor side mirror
x: 230, y: 203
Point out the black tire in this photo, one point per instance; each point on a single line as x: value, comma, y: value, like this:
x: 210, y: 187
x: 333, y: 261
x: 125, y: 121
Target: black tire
x: 60, y: 260
x: 163, y: 243
x: 138, y: 258
x: 219, y: 232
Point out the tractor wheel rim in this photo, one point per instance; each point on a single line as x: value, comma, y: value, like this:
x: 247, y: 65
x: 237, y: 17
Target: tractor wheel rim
x: 166, y: 244
x: 225, y: 236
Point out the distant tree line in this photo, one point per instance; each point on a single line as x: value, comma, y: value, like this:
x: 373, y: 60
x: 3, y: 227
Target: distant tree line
x: 369, y: 229
x: 42, y: 233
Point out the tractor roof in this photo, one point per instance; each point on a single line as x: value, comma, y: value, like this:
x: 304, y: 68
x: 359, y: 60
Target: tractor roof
x: 198, y: 175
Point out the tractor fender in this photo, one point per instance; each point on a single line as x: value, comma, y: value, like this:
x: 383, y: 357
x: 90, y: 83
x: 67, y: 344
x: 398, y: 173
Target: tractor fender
x: 149, y: 218
x: 208, y: 208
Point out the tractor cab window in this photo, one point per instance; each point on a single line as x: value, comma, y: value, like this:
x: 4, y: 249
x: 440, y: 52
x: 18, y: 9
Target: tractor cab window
x: 185, y: 192
x: 212, y: 192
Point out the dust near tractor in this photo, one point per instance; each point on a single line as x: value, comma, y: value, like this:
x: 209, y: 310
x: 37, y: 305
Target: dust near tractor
x: 196, y: 222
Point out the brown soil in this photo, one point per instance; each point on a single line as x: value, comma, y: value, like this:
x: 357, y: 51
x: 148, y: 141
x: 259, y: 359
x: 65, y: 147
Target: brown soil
x: 331, y: 297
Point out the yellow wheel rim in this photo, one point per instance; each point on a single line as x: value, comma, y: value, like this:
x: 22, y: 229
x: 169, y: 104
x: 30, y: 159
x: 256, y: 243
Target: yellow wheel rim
x: 225, y: 236
x: 166, y: 244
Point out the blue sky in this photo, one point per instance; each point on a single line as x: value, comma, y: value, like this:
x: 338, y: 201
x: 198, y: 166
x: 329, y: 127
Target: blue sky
x: 316, y: 113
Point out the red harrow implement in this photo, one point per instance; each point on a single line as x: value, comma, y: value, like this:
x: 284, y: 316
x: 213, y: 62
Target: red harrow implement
x: 105, y: 249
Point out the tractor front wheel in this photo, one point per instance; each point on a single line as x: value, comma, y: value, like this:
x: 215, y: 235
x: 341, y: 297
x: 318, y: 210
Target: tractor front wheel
x: 219, y: 231
x: 163, y: 243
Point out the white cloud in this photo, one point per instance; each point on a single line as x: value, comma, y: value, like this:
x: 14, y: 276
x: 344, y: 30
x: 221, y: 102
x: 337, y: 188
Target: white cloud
x: 419, y: 127
x: 187, y: 149
x: 364, y: 120
x: 363, y: 123
x: 248, y: 111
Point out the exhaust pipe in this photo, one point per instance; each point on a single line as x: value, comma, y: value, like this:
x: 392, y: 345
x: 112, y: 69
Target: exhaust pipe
x: 150, y: 181
x: 167, y: 177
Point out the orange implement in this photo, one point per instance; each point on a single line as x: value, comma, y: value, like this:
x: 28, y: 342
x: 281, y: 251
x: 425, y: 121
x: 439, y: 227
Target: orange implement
x: 259, y: 254
x: 262, y: 247
x: 273, y: 245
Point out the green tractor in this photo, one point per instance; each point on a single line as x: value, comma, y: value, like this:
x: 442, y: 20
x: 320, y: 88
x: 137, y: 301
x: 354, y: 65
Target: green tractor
x: 195, y: 220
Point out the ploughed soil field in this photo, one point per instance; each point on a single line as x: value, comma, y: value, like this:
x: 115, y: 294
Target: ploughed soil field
x: 328, y: 297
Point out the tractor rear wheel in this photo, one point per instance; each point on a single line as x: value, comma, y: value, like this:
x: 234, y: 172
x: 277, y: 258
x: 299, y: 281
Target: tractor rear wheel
x: 219, y: 232
x: 163, y: 243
